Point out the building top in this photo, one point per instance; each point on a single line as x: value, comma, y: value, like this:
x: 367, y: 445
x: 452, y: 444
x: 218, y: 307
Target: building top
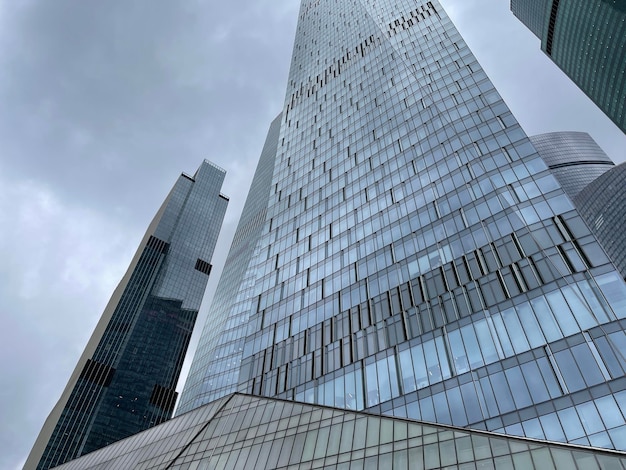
x: 532, y: 14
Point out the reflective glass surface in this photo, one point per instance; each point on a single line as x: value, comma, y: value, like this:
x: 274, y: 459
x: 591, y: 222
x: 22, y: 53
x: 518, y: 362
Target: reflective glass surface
x: 242, y: 432
x: 418, y: 258
x: 587, y: 40
x: 136, y: 354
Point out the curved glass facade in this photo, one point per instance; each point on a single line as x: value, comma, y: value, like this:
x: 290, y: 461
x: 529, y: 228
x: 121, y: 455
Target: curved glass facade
x: 574, y: 158
x: 603, y: 204
x: 418, y: 257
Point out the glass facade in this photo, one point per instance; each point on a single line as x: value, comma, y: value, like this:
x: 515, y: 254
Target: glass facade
x: 215, y: 369
x: 587, y: 40
x: 125, y: 381
x: 418, y: 258
x: 242, y: 431
x: 532, y: 13
x: 574, y: 158
x: 603, y: 205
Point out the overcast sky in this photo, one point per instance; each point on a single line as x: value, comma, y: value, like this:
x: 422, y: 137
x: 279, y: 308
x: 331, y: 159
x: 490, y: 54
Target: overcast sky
x: 104, y: 103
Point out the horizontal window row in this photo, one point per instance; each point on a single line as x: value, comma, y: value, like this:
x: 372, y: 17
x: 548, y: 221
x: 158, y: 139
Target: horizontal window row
x: 579, y: 364
x: 514, y: 330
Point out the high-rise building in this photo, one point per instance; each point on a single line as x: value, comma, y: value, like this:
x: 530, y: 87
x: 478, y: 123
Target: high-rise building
x: 125, y: 379
x: 418, y: 258
x: 603, y: 205
x: 587, y: 40
x: 574, y: 158
x: 214, y: 372
x: 594, y: 184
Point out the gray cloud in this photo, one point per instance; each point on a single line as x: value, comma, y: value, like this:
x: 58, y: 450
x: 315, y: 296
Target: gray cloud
x: 104, y: 103
x: 113, y: 88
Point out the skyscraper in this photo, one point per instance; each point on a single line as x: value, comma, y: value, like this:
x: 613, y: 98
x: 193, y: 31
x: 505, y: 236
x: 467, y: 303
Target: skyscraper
x: 594, y: 184
x: 603, y: 205
x: 215, y: 369
x: 587, y: 40
x: 574, y: 158
x: 125, y: 380
x: 417, y: 257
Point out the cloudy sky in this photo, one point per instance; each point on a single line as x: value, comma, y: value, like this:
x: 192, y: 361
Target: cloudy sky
x: 103, y: 104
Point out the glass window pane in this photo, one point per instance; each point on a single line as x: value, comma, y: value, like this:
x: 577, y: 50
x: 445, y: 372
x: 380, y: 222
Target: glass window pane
x: 503, y: 336
x: 432, y: 362
x: 569, y: 370
x: 442, y: 410
x: 547, y: 322
x: 532, y: 428
x: 393, y: 376
x: 443, y: 358
x: 571, y: 424
x: 579, y: 307
x: 471, y: 403
x: 360, y: 429
x: 322, y: 442
x: 488, y: 396
x: 406, y: 368
x: 373, y: 432
x: 596, y: 307
x: 542, y: 459
x: 563, y: 458
x: 471, y: 346
x: 347, y: 432
x: 427, y: 410
x: 549, y: 377
x: 419, y: 366
x: 609, y: 412
x: 502, y: 392
x: 457, y: 410
x: 400, y: 460
x: 590, y: 418
x: 537, y: 387
x: 552, y: 428
x: 487, y: 345
x: 614, y: 362
x: 586, y: 362
x: 518, y: 387
x: 371, y: 381
x: 563, y: 313
x: 431, y: 456
x: 358, y: 383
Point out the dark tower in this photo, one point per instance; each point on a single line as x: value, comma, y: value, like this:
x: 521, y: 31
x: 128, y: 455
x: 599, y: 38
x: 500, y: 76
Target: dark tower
x: 125, y: 380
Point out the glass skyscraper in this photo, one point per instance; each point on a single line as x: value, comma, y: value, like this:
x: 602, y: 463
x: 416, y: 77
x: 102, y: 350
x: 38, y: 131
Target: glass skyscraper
x: 125, y: 380
x: 214, y: 372
x: 587, y: 40
x: 574, y: 158
x: 417, y: 257
x: 603, y: 205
